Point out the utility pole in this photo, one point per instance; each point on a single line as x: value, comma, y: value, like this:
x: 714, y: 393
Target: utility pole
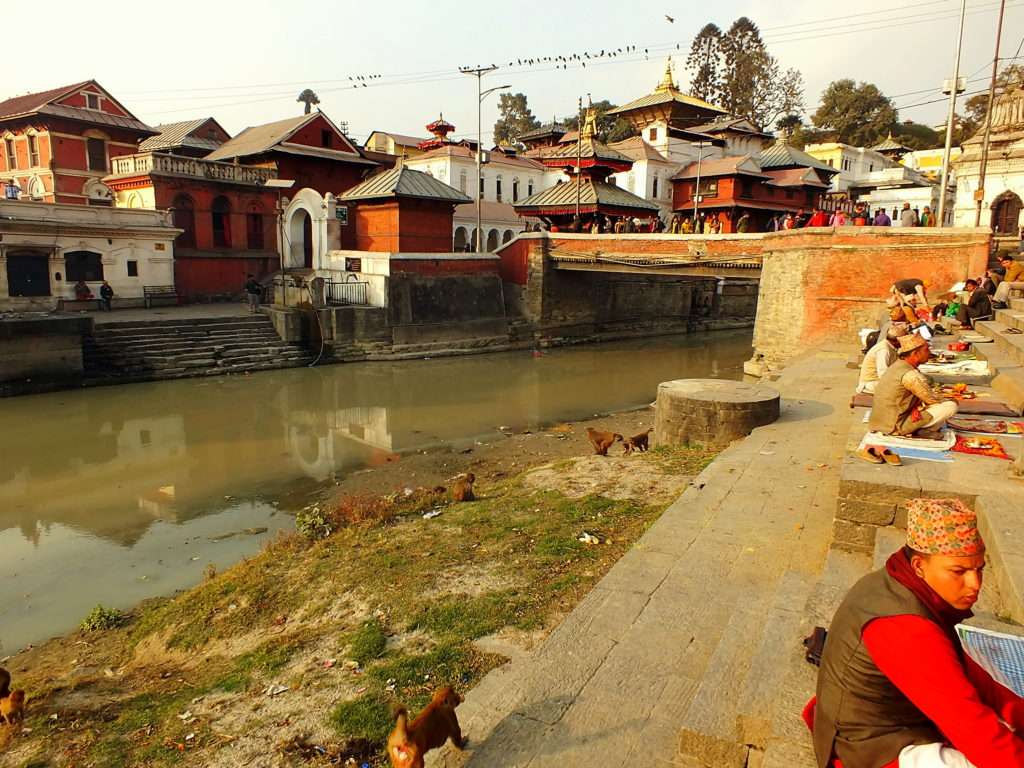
x: 579, y: 154
x: 954, y: 89
x: 479, y: 72
x: 696, y: 189
x: 979, y: 194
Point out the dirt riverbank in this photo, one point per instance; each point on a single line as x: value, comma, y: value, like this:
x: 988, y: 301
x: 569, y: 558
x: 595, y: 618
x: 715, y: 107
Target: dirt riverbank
x: 295, y: 656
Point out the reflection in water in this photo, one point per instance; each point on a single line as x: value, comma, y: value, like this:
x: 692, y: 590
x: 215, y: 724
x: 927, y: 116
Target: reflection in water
x: 118, y: 493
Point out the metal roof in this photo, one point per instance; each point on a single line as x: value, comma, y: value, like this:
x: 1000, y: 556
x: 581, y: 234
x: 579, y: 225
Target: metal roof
x: 743, y: 165
x: 890, y: 144
x: 591, y: 193
x: 173, y: 135
x: 43, y: 103
x: 795, y: 177
x: 782, y: 155
x: 637, y: 149
x: 588, y: 149
x: 404, y: 182
x: 730, y: 123
x: 550, y: 129
x: 30, y: 102
x: 260, y: 138
x: 667, y: 96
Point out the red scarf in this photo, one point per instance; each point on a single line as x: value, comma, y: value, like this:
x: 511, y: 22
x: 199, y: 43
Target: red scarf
x: 945, y: 615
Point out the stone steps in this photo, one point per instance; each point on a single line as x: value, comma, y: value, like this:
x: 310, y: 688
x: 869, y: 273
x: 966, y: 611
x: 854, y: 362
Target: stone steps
x: 1012, y: 345
x: 1008, y: 380
x: 139, y: 351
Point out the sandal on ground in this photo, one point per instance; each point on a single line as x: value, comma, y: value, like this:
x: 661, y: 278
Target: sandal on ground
x: 870, y: 454
x: 889, y: 457
x: 1014, y: 330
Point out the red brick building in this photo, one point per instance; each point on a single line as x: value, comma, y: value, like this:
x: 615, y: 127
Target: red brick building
x: 402, y: 211
x: 309, y: 149
x: 779, y: 180
x: 57, y: 145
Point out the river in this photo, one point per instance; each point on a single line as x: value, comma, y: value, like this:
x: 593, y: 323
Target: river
x: 115, y: 494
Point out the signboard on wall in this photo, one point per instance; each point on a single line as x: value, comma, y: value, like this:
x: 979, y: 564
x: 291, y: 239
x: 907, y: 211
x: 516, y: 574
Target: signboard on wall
x: 341, y: 214
x: 353, y: 264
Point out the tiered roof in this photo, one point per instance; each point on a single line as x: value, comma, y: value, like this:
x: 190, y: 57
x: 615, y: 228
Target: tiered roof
x: 668, y: 102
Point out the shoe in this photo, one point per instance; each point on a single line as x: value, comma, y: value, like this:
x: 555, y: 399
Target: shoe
x: 999, y: 305
x: 869, y: 453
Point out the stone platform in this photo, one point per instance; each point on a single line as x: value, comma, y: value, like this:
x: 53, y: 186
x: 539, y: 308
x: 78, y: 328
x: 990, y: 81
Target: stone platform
x: 711, y: 412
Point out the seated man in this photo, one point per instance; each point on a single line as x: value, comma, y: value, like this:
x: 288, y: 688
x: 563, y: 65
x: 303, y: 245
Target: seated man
x: 1013, y: 278
x: 904, y: 402
x: 894, y: 689
x: 878, y: 359
x: 979, y: 305
x: 907, y: 295
x: 82, y: 291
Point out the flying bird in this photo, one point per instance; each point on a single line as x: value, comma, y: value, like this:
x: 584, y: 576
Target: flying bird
x: 670, y: 19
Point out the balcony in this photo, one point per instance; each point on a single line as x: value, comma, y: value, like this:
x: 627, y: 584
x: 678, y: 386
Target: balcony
x: 190, y: 167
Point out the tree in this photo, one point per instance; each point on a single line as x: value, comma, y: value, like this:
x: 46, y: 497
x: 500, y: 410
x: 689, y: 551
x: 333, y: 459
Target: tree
x: 515, y: 120
x: 309, y: 99
x: 792, y: 128
x: 609, y: 127
x: 751, y: 83
x: 857, y: 114
x: 918, y: 135
x: 704, y: 64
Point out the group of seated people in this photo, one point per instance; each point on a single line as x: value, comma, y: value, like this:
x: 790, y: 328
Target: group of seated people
x: 983, y: 295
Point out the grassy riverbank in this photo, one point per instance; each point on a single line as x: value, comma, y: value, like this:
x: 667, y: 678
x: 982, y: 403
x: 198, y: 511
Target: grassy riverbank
x: 297, y: 655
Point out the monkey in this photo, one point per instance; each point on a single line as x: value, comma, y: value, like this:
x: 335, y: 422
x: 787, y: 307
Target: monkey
x: 636, y: 442
x: 602, y: 441
x: 12, y: 708
x: 462, y: 490
x: 437, y: 723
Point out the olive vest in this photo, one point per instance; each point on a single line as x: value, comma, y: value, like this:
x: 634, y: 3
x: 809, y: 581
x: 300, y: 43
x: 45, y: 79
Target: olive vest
x: 861, y: 716
x: 893, y: 403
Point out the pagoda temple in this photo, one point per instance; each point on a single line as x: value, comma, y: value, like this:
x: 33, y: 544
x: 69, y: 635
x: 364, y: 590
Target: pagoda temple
x: 439, y: 130
x: 891, y: 148
x: 589, y: 193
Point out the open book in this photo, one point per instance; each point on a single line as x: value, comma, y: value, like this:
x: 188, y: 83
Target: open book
x: 999, y: 654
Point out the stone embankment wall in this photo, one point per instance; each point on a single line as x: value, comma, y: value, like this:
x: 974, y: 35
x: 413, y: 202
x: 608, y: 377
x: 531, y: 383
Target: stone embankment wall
x: 41, y: 354
x: 819, y: 286
x: 564, y: 304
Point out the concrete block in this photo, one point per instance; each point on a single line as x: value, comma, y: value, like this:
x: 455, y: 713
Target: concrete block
x: 854, y: 537
x: 857, y: 511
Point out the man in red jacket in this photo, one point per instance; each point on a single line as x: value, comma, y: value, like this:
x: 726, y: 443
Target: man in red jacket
x: 895, y: 689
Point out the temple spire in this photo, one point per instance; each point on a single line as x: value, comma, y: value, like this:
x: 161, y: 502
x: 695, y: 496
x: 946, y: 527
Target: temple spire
x: 667, y: 83
x: 589, y: 124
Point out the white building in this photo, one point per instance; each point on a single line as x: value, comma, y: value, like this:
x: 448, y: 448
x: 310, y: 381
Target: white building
x: 45, y: 248
x: 506, y: 179
x: 853, y: 163
x: 1004, y: 179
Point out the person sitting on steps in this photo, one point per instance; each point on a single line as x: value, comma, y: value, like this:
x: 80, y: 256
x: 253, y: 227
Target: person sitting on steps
x: 895, y: 690
x: 1013, y: 279
x: 904, y: 403
x: 978, y: 306
x: 878, y: 359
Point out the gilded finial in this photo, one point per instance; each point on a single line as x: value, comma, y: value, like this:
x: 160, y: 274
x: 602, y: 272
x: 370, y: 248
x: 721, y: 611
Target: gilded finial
x: 667, y: 83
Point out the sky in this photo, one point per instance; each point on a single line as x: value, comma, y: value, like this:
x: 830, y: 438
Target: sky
x: 245, y: 63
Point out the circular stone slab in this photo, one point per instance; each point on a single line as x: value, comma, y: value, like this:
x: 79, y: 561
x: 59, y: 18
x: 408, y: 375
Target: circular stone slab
x: 711, y: 412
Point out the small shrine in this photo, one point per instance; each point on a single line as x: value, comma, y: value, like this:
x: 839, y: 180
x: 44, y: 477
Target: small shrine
x: 588, y: 193
x: 439, y: 130
x: 891, y: 148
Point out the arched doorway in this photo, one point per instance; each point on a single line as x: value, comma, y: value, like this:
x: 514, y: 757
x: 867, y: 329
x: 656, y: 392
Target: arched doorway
x: 492, y: 240
x: 220, y: 213
x: 472, y: 241
x: 507, y: 236
x: 460, y: 239
x: 300, y: 235
x: 1006, y: 214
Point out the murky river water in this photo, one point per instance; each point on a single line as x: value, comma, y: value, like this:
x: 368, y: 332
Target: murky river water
x: 116, y: 494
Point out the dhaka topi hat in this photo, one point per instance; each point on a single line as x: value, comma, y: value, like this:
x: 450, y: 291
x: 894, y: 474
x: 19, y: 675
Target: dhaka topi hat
x: 943, y: 527
x: 910, y: 342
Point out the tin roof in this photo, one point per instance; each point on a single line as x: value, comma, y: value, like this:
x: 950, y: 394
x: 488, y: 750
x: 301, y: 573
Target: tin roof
x: 44, y: 103
x: 589, y: 149
x: 591, y: 193
x: 404, y: 182
x: 742, y: 165
x: 890, y: 145
x: 258, y: 139
x: 550, y: 129
x: 636, y: 148
x: 782, y: 155
x: 175, y: 135
x: 795, y: 177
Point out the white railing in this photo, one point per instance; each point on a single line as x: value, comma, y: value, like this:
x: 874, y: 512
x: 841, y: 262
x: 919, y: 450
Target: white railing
x: 152, y: 162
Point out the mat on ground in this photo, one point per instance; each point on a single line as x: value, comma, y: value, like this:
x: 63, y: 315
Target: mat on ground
x: 989, y: 406
x: 913, y: 447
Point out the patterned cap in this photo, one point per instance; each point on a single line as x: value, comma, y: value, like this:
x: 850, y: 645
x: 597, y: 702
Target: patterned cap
x: 909, y: 343
x: 943, y: 527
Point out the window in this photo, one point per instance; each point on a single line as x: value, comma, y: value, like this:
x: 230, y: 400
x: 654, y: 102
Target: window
x: 97, y: 154
x: 652, y: 135
x: 220, y: 213
x: 830, y: 163
x: 12, y: 156
x: 654, y: 187
x: 254, y: 228
x: 529, y: 188
x: 789, y: 194
x: 83, y: 265
x: 462, y: 182
x: 481, y: 187
x: 515, y: 190
x: 185, y: 218
x: 33, y: 151
x: 325, y: 139
x: 92, y: 101
x: 871, y: 167
x: 708, y: 188
x: 497, y: 188
x: 746, y: 188
x: 133, y: 268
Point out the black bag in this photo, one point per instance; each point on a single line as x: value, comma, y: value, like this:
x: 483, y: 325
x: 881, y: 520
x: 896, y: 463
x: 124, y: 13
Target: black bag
x: 815, y: 645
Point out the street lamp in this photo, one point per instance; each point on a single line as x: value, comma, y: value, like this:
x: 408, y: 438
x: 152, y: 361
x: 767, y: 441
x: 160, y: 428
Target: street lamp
x: 479, y: 72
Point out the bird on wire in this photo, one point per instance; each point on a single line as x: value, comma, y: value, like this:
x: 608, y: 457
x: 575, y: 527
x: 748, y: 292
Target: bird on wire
x: 670, y: 19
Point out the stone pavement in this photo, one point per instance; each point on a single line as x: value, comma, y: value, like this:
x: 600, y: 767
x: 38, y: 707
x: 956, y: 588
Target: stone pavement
x: 688, y: 651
